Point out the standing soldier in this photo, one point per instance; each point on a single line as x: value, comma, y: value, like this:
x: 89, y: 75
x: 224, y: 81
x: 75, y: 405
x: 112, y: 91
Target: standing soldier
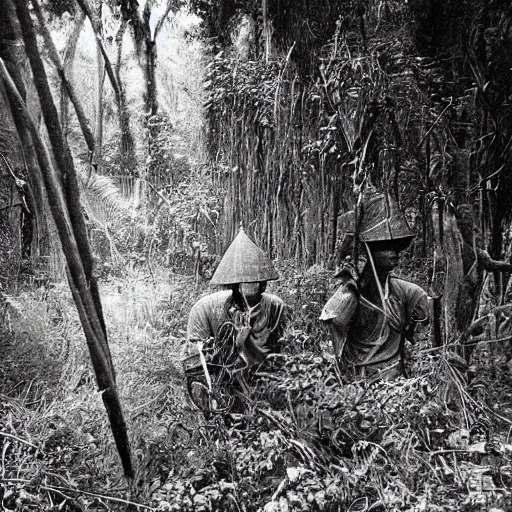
x: 370, y: 319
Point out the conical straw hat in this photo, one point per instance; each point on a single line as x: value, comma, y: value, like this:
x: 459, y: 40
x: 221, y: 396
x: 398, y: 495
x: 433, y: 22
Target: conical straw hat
x: 380, y: 220
x: 243, y: 262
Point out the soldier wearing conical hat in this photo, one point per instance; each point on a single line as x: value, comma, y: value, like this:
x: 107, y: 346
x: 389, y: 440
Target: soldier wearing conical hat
x: 372, y: 316
x: 245, y: 311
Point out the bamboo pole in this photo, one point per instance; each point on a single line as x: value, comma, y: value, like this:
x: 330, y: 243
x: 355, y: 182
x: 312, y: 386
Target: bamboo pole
x: 63, y: 194
x: 70, y: 90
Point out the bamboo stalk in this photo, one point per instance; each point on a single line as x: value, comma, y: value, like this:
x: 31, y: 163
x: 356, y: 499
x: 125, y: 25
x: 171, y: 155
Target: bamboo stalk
x: 100, y: 355
x: 70, y: 90
x: 64, y: 199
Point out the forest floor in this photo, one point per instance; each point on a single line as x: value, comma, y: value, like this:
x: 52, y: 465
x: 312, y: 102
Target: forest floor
x: 438, y: 440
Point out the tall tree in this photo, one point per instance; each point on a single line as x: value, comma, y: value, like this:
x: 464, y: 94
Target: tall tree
x: 145, y: 43
x: 62, y: 188
x: 127, y: 142
x: 100, y: 80
x: 68, y: 63
x: 127, y: 145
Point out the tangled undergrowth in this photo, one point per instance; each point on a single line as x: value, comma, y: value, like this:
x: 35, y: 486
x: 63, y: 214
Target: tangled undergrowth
x: 300, y: 440
x: 306, y: 442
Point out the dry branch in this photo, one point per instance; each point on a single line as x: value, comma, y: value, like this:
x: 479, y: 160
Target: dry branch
x: 11, y: 436
x: 487, y: 263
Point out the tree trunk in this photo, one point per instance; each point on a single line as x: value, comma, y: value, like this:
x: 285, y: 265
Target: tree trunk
x: 151, y: 102
x: 147, y: 58
x: 68, y: 63
x: 145, y: 46
x: 267, y: 32
x: 63, y: 192
x: 128, y: 160
x: 454, y: 276
x: 70, y: 90
x: 100, y: 80
x: 108, y: 67
x: 128, y: 156
x: 10, y: 39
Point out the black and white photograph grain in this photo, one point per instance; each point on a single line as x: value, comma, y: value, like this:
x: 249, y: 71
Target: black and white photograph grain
x: 255, y: 256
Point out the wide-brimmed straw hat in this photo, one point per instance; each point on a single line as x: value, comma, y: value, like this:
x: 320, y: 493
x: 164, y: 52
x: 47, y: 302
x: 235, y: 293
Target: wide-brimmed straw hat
x: 380, y: 220
x: 243, y: 262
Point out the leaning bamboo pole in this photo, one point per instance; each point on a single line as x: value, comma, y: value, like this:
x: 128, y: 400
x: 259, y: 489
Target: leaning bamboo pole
x: 63, y: 193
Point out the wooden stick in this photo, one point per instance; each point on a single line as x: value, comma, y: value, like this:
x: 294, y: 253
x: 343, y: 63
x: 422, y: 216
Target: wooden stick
x: 11, y: 436
x: 95, y: 495
x: 60, y: 489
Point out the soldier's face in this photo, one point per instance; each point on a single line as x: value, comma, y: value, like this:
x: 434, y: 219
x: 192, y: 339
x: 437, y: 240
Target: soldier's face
x: 253, y: 292
x: 250, y: 289
x: 385, y: 259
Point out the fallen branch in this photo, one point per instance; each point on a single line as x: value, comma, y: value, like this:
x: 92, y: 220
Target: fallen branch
x: 487, y: 263
x: 61, y: 489
x: 459, y: 344
x: 14, y: 481
x: 66, y: 498
x: 95, y: 495
x: 11, y: 436
x: 440, y: 452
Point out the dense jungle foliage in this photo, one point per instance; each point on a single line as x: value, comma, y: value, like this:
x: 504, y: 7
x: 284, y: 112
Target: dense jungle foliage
x: 137, y: 136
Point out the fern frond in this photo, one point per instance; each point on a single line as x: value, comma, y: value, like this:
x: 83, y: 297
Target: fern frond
x: 103, y: 201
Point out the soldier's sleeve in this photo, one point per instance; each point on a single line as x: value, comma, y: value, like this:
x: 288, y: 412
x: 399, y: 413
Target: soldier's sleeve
x: 341, y: 307
x: 280, y: 315
x: 419, y: 311
x: 199, y: 326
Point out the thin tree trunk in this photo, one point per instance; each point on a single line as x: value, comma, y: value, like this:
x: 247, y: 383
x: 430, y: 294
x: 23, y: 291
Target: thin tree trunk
x: 68, y: 62
x: 267, y: 34
x: 127, y: 144
x: 108, y: 67
x: 70, y: 90
x: 64, y: 197
x: 100, y: 80
x: 145, y: 46
x: 152, y: 105
x: 10, y: 38
x: 13, y: 162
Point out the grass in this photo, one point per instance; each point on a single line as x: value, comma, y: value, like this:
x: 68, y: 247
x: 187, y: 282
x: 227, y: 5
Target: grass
x: 57, y: 452
x: 48, y: 392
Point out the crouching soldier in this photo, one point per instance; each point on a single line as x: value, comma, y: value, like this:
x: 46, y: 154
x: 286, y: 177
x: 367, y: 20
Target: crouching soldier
x: 238, y: 326
x: 372, y: 316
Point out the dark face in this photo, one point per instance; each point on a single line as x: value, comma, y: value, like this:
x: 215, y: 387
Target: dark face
x: 253, y: 291
x: 385, y: 259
